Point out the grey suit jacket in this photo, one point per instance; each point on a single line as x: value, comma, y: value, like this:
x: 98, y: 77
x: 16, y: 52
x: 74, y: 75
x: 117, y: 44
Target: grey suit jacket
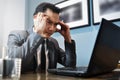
x: 24, y: 44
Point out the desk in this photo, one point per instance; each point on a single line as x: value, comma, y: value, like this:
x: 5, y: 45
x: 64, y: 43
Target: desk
x: 35, y: 76
x: 109, y: 76
x: 119, y: 65
x: 115, y: 75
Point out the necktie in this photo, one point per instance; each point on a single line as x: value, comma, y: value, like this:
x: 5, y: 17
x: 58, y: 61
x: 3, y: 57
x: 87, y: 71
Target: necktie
x: 43, y: 57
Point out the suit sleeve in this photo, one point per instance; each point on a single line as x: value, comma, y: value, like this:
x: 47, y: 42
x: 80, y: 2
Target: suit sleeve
x: 70, y: 51
x: 67, y: 57
x: 18, y: 46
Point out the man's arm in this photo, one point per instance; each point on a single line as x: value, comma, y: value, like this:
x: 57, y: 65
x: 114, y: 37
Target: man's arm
x: 20, y: 44
x: 70, y: 51
x: 67, y: 57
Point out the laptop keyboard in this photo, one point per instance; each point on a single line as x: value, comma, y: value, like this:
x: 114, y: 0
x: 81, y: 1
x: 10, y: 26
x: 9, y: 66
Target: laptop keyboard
x: 73, y: 69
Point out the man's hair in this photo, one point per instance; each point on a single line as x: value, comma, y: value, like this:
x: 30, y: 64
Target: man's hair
x: 44, y: 6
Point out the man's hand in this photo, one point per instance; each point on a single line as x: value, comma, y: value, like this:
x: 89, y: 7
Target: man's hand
x: 40, y: 23
x: 64, y: 31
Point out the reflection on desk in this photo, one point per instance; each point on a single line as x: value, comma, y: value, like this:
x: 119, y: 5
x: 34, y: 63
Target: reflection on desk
x: 119, y: 65
x: 109, y: 76
x: 115, y: 75
x: 42, y: 76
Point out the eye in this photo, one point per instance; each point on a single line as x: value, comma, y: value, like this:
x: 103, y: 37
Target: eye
x: 56, y: 24
x: 48, y: 21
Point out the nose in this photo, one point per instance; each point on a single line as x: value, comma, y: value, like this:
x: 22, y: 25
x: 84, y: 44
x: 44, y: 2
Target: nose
x: 52, y: 28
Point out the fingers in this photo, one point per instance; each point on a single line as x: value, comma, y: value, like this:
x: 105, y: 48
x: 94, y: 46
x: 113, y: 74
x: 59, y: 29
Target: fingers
x: 63, y: 25
x: 41, y: 16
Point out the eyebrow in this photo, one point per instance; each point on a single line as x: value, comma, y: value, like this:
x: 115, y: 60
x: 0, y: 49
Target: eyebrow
x: 52, y: 21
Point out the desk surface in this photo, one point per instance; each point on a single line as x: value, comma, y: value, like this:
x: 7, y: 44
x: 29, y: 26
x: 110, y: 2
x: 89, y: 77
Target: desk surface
x: 115, y: 75
x: 42, y: 76
x: 110, y: 76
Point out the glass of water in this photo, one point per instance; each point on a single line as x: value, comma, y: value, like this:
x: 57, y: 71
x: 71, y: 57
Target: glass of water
x: 11, y: 65
x: 3, y: 53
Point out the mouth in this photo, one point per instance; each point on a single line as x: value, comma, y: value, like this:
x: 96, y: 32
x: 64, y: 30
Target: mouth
x: 49, y: 34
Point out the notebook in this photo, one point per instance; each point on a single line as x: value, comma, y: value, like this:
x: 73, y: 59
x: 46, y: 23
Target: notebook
x: 105, y: 54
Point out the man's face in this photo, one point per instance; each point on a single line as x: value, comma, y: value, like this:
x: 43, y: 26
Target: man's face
x: 52, y: 21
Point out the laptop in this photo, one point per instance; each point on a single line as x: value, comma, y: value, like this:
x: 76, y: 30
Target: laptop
x: 105, y: 54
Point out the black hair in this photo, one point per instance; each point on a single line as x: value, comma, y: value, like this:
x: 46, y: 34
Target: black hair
x: 44, y: 6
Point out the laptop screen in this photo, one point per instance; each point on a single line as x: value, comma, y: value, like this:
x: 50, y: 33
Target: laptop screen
x: 106, y: 52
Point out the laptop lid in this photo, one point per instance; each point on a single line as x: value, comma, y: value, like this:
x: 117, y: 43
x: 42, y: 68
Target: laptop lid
x: 106, y: 52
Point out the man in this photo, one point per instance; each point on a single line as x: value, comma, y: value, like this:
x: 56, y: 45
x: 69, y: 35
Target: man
x: 27, y: 44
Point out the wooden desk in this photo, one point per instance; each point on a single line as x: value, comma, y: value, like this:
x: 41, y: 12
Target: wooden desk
x: 119, y: 65
x: 115, y: 75
x: 109, y: 76
x: 35, y: 76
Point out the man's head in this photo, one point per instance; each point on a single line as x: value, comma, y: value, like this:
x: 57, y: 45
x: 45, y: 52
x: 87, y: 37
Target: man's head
x: 52, y: 14
x: 44, y: 6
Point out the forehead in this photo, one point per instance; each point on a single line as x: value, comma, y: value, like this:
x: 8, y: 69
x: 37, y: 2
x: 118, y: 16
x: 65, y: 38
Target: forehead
x: 52, y: 15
